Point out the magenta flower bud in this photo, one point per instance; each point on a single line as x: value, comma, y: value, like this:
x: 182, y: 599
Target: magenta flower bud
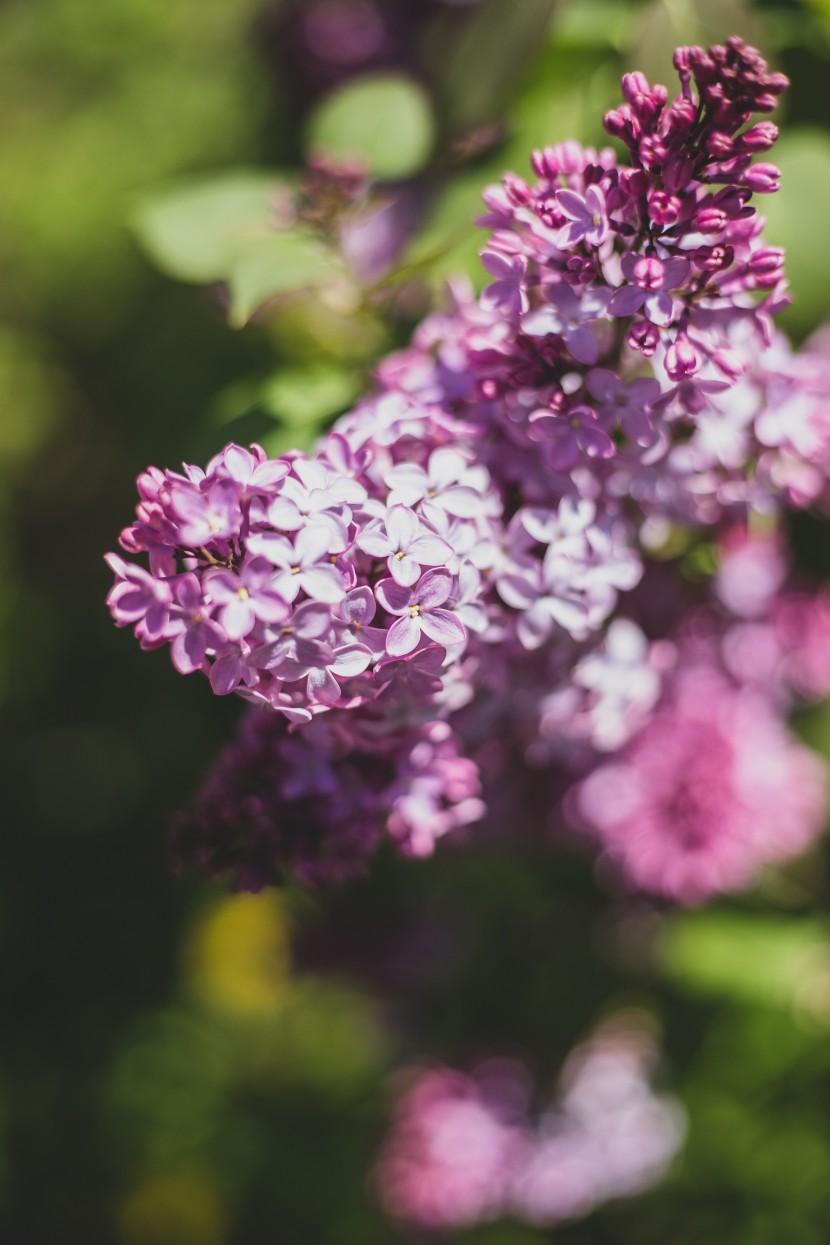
x: 719, y: 145
x: 663, y: 208
x: 764, y: 179
x: 714, y: 258
x: 648, y: 274
x: 644, y: 337
x: 683, y: 59
x: 633, y: 183
x: 767, y: 267
x: 544, y: 163
x: 759, y: 138
x: 635, y: 85
x: 681, y: 359
x: 652, y: 151
x: 677, y: 172
x: 711, y: 220
x: 680, y: 116
x: 618, y: 124
x: 777, y: 82
x: 518, y: 191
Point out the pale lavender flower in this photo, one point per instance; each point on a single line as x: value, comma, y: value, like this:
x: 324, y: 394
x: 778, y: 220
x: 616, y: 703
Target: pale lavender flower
x: 631, y: 403
x: 419, y: 611
x: 587, y: 214
x: 651, y: 281
x: 244, y: 597
x: 507, y: 293
x: 405, y: 542
x: 194, y: 633
x: 565, y: 314
x: 302, y: 565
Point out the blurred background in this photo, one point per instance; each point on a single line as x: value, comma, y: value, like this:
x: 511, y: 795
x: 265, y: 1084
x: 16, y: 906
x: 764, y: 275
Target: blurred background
x: 185, y: 1066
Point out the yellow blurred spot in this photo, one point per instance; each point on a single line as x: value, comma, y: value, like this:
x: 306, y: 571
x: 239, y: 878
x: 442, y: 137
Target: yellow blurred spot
x: 237, y: 958
x: 173, y: 1210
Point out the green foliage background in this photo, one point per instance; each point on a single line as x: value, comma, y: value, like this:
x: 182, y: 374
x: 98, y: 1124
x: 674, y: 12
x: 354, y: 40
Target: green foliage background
x: 184, y: 1067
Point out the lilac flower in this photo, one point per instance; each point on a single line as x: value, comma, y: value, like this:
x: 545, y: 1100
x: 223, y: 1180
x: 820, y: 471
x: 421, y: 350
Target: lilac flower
x: 245, y: 597
x: 251, y: 469
x: 353, y: 617
x: 301, y: 564
x: 630, y: 404
x: 405, y: 542
x: 195, y: 634
x: 442, y: 485
x: 572, y: 434
x: 711, y: 787
x: 651, y: 281
x: 419, y: 610
x: 565, y: 315
x: 138, y: 597
x: 587, y: 214
x: 206, y: 516
x: 507, y: 293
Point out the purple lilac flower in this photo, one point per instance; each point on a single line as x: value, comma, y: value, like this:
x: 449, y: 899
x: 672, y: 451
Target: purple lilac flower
x: 454, y: 555
x: 464, y: 1148
x: 711, y: 787
x: 419, y: 611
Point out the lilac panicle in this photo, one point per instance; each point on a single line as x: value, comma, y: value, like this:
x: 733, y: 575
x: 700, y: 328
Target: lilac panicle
x: 456, y: 565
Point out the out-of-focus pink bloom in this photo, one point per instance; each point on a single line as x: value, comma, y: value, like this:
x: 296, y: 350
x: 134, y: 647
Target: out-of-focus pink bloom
x: 713, y: 787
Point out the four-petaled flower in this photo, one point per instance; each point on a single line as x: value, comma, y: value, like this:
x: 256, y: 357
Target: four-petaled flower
x: 419, y: 610
x: 406, y: 544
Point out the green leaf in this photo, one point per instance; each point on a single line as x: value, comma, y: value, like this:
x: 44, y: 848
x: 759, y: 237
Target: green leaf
x: 797, y: 220
x: 383, y: 120
x: 283, y: 262
x: 195, y: 231
x: 752, y: 958
x: 299, y: 396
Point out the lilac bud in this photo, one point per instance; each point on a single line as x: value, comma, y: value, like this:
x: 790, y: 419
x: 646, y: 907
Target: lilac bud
x: 644, y: 337
x: 714, y: 258
x: 633, y: 183
x: 652, y: 151
x: 711, y: 220
x: 719, y: 145
x: 677, y: 172
x: 518, y: 191
x: 763, y: 178
x: 545, y: 164
x: 663, y: 208
x: 681, y: 116
x: 617, y: 122
x: 767, y: 266
x: 681, y: 359
x: 759, y: 138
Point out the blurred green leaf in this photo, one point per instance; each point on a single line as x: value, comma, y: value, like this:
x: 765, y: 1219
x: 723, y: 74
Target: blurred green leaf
x: 195, y: 231
x: 480, y: 66
x: 310, y: 395
x: 384, y: 120
x: 293, y: 260
x: 754, y: 958
x: 797, y: 220
x: 593, y: 23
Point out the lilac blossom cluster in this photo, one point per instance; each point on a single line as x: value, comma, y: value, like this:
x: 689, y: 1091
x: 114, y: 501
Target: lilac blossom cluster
x: 465, y: 1148
x: 466, y: 571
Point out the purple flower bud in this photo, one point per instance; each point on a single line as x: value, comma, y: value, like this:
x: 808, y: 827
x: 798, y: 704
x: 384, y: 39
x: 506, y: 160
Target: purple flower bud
x: 681, y: 359
x: 759, y: 138
x: 644, y: 337
x: 763, y: 178
x: 677, y: 172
